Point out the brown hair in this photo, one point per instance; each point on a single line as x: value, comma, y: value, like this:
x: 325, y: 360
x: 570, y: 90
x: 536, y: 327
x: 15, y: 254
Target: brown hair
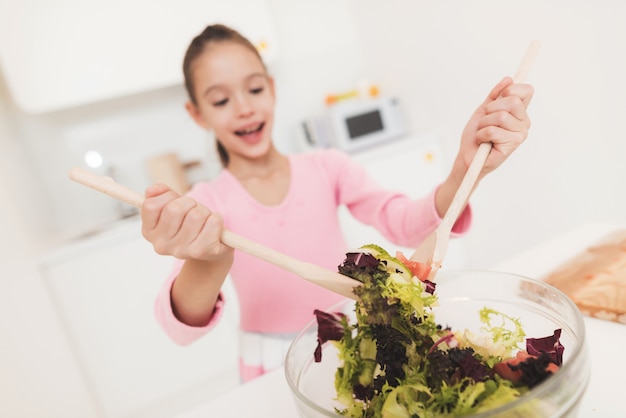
x: 212, y: 33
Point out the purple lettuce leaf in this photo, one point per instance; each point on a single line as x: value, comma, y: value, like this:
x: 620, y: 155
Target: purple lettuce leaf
x: 429, y: 287
x: 330, y: 327
x: 470, y: 366
x: 550, y: 345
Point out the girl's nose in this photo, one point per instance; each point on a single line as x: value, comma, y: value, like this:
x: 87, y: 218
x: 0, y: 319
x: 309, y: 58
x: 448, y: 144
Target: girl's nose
x: 243, y: 106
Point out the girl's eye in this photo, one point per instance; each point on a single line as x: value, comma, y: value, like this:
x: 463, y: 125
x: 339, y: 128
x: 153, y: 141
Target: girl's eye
x: 257, y: 90
x: 220, y: 103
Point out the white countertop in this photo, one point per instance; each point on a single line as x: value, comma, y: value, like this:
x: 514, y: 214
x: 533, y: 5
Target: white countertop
x: 269, y: 396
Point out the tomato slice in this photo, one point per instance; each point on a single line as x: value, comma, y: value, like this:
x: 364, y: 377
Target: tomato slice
x: 515, y: 376
x: 419, y: 270
x: 505, y: 371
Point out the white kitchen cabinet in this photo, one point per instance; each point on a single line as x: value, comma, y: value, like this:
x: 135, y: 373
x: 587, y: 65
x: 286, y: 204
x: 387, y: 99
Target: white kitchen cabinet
x: 65, y: 53
x: 104, y: 289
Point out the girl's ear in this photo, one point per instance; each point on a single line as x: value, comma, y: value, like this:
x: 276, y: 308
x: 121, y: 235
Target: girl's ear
x: 195, y: 114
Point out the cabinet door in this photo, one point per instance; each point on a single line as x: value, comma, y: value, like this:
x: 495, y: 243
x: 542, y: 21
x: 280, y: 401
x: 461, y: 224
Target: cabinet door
x: 104, y: 291
x: 60, y: 54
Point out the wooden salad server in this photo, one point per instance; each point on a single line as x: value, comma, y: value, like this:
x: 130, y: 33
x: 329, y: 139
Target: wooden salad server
x: 325, y: 278
x: 432, y: 250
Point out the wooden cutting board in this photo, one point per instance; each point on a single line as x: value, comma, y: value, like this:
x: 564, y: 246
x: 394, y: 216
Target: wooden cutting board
x: 596, y: 278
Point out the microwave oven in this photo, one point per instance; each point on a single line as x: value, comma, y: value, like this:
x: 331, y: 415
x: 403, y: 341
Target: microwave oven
x: 355, y: 124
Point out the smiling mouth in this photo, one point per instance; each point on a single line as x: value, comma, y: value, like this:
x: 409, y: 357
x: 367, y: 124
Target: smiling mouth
x: 251, y: 130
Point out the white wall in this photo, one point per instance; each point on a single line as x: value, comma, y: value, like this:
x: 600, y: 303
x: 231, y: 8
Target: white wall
x: 445, y: 56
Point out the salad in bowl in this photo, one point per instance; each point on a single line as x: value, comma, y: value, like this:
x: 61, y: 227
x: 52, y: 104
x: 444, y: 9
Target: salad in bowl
x: 474, y: 344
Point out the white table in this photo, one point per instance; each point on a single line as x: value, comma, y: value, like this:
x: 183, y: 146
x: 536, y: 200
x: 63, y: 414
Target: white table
x: 269, y: 396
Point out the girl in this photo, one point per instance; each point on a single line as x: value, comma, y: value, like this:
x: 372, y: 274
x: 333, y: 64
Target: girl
x: 287, y: 202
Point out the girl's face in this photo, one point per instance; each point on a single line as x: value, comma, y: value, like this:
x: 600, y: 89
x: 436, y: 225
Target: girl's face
x: 234, y: 98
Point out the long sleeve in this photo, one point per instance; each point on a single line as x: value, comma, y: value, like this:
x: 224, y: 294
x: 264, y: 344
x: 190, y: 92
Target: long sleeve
x: 400, y: 219
x: 178, y: 331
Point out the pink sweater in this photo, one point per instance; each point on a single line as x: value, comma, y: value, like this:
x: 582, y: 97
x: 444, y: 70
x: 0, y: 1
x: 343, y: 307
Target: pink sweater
x: 305, y: 226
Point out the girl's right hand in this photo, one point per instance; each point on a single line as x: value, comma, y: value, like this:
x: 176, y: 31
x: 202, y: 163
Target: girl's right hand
x: 181, y: 227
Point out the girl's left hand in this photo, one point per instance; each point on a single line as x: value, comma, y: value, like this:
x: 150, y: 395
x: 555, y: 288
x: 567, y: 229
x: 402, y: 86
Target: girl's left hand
x: 502, y: 120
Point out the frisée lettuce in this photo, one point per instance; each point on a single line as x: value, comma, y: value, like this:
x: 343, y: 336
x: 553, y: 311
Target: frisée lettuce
x: 397, y: 361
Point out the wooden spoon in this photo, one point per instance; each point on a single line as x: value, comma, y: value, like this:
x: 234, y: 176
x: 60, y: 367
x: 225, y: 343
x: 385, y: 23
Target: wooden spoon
x: 325, y: 278
x: 432, y: 250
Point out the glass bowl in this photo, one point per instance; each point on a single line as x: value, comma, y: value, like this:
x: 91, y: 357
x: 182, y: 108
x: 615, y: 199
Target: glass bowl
x: 540, y: 307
